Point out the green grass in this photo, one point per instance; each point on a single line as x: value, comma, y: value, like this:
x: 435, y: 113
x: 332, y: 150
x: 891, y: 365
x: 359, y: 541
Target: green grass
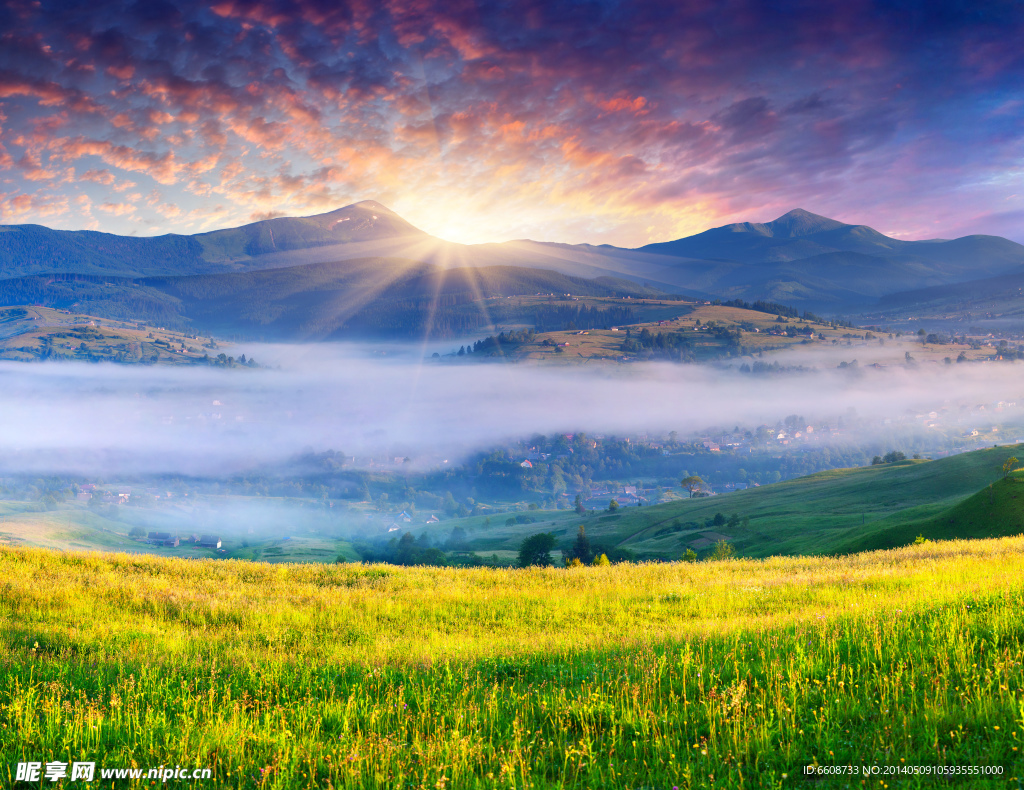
x: 994, y: 511
x: 729, y: 675
x: 818, y: 514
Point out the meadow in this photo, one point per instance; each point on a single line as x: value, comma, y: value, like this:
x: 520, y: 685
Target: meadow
x: 734, y: 674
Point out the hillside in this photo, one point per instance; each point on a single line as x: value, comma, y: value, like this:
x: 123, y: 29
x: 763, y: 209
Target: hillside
x: 733, y: 674
x: 377, y: 297
x: 996, y: 510
x: 39, y: 333
x: 822, y: 513
x: 990, y: 297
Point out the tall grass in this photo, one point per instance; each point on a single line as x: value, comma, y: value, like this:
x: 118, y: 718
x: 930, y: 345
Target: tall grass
x: 731, y: 674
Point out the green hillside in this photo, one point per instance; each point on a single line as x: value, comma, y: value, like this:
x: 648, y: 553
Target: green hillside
x: 824, y: 513
x: 821, y: 513
x: 996, y: 510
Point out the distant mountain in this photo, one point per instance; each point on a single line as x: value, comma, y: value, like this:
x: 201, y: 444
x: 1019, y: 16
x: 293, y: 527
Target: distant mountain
x: 807, y: 259
x: 367, y: 221
x: 378, y: 297
x: 34, y: 249
x: 998, y: 296
x: 800, y: 258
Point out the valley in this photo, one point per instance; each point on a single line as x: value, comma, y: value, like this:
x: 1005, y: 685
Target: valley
x: 527, y: 470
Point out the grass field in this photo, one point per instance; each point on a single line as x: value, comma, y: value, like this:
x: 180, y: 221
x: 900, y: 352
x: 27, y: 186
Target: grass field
x: 727, y: 675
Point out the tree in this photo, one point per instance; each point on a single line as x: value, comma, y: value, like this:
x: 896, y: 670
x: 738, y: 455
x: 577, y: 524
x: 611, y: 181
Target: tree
x: 723, y: 551
x: 457, y: 539
x: 581, y: 547
x: 578, y: 505
x: 693, y: 484
x: 613, y: 506
x: 601, y: 560
x: 536, y: 550
x: 1008, y: 466
x: 690, y: 556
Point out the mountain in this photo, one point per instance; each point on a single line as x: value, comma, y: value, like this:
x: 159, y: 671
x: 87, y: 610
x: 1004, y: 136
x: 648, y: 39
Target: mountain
x: 34, y: 249
x: 379, y: 297
x: 806, y: 259
x: 367, y: 221
x: 800, y: 258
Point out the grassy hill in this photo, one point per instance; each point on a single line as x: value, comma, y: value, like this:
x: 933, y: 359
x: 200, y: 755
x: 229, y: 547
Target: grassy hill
x: 824, y: 513
x: 29, y: 333
x: 734, y: 674
x: 996, y: 510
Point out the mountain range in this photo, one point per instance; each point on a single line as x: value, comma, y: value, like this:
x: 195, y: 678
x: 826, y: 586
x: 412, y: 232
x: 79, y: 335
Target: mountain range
x: 801, y: 258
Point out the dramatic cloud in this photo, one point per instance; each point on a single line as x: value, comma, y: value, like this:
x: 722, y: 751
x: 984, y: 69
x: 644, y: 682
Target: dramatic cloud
x: 605, y: 122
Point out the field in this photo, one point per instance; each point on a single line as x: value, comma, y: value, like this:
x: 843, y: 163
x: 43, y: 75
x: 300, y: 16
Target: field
x: 731, y: 674
x: 32, y: 333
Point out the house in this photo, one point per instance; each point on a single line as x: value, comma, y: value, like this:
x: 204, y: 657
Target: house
x: 394, y: 527
x: 526, y: 464
x: 405, y: 517
x: 433, y: 519
x: 158, y: 538
x: 209, y: 542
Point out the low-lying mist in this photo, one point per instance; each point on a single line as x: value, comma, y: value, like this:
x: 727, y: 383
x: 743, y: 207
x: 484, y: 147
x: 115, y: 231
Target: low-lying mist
x: 392, y: 401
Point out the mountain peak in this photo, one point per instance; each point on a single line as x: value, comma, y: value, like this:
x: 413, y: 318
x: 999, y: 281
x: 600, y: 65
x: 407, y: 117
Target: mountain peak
x: 800, y: 222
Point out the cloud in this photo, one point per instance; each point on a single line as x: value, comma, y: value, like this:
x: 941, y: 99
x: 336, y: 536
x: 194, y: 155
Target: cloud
x: 548, y: 114
x: 118, y: 209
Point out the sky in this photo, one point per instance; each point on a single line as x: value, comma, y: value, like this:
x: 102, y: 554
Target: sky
x: 603, y: 122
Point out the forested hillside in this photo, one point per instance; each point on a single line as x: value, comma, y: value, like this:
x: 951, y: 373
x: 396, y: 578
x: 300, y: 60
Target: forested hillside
x: 382, y: 297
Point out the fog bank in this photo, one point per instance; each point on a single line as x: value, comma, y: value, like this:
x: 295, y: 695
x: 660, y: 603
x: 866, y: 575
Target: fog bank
x: 388, y: 401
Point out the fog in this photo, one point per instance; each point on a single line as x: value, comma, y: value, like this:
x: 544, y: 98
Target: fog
x: 394, y: 401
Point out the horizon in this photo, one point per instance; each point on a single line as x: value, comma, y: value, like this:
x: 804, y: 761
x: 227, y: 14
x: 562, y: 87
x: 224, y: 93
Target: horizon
x: 612, y: 125
x: 503, y: 241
